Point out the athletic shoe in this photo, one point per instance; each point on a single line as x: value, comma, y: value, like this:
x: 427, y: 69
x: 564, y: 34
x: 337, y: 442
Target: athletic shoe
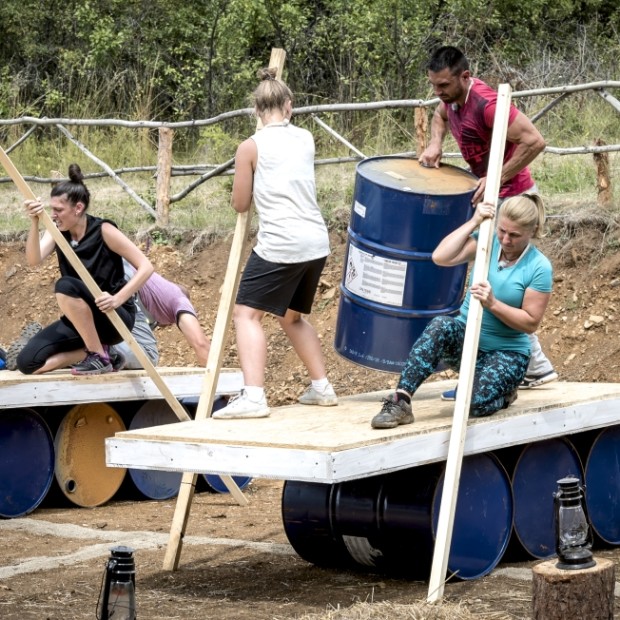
x: 532, y: 381
x: 327, y: 398
x: 241, y: 406
x: 92, y: 364
x: 510, y: 398
x: 449, y: 395
x: 393, y: 412
x: 32, y: 329
x: 117, y: 359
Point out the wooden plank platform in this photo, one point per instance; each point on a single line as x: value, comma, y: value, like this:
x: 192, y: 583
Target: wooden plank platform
x: 62, y: 388
x: 334, y: 444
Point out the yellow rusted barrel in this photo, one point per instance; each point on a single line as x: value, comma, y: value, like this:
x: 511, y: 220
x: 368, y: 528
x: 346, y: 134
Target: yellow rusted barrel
x: 81, y: 470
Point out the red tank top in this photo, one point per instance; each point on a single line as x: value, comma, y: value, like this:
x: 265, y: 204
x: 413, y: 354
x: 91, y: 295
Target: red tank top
x: 472, y: 127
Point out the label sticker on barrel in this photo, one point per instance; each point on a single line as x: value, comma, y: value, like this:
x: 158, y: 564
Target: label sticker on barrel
x: 376, y: 278
x: 360, y: 209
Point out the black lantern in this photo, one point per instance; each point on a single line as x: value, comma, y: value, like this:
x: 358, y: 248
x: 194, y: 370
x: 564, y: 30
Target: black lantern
x: 118, y: 596
x: 573, y: 536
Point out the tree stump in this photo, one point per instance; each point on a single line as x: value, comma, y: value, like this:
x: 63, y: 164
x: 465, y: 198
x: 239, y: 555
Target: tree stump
x: 587, y: 593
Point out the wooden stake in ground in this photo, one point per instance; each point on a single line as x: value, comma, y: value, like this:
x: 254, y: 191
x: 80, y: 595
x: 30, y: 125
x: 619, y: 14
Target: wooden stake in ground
x: 164, y: 168
x: 603, y: 181
x: 587, y: 593
x: 214, y: 364
x: 421, y: 130
x: 94, y: 289
x: 454, y: 461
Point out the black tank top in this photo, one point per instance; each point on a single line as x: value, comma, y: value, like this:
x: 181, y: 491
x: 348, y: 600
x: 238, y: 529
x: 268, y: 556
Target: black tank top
x: 104, y: 265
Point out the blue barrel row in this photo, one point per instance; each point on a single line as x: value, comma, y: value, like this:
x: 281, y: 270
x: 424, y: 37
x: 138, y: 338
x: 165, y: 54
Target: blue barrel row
x: 57, y: 455
x: 505, y: 509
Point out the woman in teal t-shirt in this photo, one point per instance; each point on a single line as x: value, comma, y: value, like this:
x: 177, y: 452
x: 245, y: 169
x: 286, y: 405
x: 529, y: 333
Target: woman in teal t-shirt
x: 514, y: 299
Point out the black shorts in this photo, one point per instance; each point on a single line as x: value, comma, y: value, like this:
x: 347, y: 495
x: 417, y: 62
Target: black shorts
x: 278, y: 287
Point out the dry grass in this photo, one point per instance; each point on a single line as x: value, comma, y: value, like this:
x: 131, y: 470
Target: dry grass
x: 416, y: 611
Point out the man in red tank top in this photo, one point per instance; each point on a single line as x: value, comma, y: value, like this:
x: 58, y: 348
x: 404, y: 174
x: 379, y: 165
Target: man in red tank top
x: 467, y: 109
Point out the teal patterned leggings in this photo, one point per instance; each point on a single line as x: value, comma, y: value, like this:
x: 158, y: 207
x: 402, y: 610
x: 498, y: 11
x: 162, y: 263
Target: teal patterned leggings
x: 497, y: 373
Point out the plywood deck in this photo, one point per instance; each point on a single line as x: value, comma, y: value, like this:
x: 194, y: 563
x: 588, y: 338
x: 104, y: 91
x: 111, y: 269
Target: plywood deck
x: 337, y: 443
x: 62, y: 388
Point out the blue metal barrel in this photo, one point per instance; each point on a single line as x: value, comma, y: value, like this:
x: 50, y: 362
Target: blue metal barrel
x: 213, y: 482
x: 534, y: 478
x: 388, y: 523
x: 155, y: 484
x: 602, y: 482
x: 391, y: 288
x: 26, y: 461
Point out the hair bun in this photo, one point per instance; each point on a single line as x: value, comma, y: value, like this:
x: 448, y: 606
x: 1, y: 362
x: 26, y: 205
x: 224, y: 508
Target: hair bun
x: 75, y: 174
x: 268, y: 73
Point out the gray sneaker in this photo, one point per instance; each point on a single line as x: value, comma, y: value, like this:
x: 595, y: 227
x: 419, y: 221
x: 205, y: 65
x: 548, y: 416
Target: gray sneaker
x: 393, y: 413
x: 326, y: 399
x: 32, y: 329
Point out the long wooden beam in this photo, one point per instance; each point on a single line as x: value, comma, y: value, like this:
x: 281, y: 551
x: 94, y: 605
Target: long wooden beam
x: 93, y: 287
x: 214, y: 364
x: 454, y: 461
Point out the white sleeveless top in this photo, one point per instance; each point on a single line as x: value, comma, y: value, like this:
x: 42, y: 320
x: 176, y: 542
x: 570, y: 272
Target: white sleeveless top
x: 291, y: 227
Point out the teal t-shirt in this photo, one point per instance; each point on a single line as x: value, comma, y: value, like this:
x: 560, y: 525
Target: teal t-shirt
x: 532, y: 270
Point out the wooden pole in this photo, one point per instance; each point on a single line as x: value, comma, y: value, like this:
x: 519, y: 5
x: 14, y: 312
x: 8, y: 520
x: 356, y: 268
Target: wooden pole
x: 214, y: 363
x: 164, y: 168
x: 145, y: 205
x: 336, y: 135
x: 603, y: 182
x: 94, y: 289
x: 421, y: 130
x: 454, y: 461
x: 586, y: 593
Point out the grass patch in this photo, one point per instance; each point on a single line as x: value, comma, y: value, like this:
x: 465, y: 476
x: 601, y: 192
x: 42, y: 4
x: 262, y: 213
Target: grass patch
x: 564, y: 181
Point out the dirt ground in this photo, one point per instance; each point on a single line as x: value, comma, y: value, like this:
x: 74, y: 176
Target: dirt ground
x: 236, y: 562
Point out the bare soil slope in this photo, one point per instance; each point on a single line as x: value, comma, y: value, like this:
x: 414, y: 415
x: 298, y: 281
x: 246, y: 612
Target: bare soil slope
x: 578, y: 332
x: 225, y: 578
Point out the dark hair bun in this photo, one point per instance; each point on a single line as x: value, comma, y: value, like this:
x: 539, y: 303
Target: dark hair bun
x: 75, y: 174
x: 268, y: 73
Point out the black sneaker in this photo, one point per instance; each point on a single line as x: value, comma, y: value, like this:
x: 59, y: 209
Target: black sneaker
x: 117, y: 359
x: 92, y: 364
x: 393, y: 412
x: 510, y: 398
x: 532, y: 381
x: 32, y: 329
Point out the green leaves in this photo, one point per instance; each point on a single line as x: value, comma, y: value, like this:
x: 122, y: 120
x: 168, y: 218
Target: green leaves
x: 172, y: 60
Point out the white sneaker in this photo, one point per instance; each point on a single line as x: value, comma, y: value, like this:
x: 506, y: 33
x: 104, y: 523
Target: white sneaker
x: 326, y: 399
x: 242, y: 407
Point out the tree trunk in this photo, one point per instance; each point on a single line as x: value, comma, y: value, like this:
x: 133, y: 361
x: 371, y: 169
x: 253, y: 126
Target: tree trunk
x: 558, y: 594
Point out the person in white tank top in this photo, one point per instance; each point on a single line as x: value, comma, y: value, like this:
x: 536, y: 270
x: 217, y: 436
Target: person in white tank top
x: 275, y: 167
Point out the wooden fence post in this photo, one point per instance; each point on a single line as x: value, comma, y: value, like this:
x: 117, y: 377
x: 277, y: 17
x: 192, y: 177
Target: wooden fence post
x: 164, y: 169
x: 603, y: 182
x: 421, y: 130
